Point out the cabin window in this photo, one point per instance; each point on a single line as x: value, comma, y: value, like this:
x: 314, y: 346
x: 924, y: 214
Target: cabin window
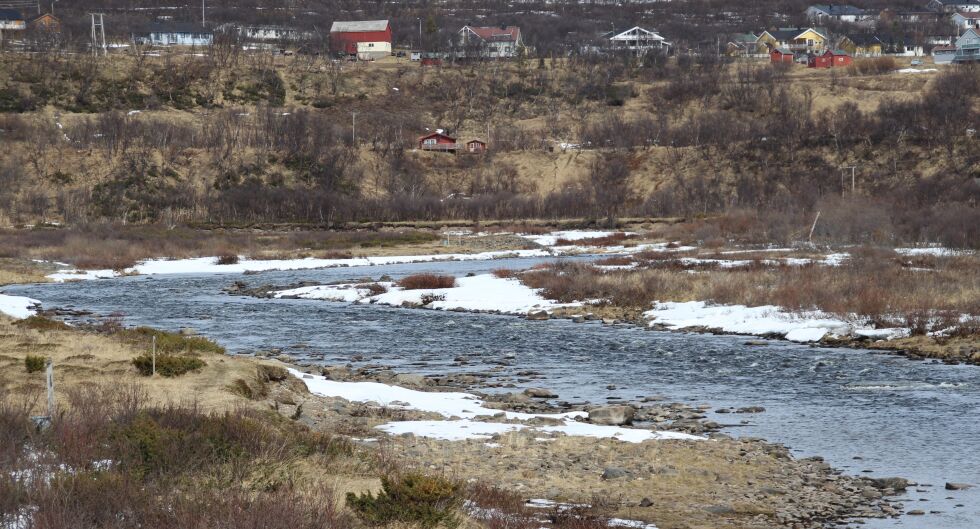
x: 429, y: 141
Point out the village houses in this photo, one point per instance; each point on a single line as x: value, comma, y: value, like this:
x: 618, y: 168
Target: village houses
x: 493, y: 42
x: 367, y: 39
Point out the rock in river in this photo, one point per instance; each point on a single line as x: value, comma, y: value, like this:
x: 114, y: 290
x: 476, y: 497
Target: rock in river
x: 537, y: 314
x: 957, y: 486
x: 612, y: 415
x: 540, y: 393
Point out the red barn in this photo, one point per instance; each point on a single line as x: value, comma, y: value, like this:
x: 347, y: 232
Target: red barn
x: 367, y: 39
x: 777, y: 55
x: 437, y: 141
x: 830, y: 59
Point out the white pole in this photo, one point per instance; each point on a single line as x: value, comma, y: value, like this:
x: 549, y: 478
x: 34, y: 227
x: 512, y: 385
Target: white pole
x: 202, y: 13
x: 50, y: 384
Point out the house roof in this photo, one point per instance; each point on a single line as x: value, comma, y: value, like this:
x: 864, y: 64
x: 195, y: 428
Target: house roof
x: 358, y: 26
x: 788, y: 34
x: 864, y: 39
x: 175, y: 27
x: 10, y: 14
x: 836, y: 52
x: 621, y: 34
x: 783, y: 51
x: 744, y: 38
x: 835, y: 10
x: 975, y: 15
x: 495, y: 33
x: 437, y: 135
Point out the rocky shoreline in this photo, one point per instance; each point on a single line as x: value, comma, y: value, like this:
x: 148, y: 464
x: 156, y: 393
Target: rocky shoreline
x: 722, y: 482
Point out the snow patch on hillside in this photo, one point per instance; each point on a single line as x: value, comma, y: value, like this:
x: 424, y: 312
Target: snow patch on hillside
x: 18, y: 306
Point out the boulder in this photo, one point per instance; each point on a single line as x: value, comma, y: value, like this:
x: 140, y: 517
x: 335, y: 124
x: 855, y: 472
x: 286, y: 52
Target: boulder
x: 614, y: 473
x: 410, y: 379
x: 646, y: 502
x: 896, y: 484
x: 188, y: 331
x: 612, y: 415
x: 958, y: 486
x: 540, y: 393
x: 537, y: 315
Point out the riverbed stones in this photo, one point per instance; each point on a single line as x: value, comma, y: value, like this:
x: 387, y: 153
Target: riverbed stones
x: 612, y: 415
x: 896, y: 484
x: 540, y: 393
x: 410, y: 379
x: 538, y: 315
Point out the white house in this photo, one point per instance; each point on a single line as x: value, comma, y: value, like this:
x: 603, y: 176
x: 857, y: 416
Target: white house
x: 174, y: 34
x: 838, y: 12
x: 966, y: 20
x: 266, y: 33
x: 499, y: 42
x: 952, y: 6
x: 968, y: 47
x: 637, y: 40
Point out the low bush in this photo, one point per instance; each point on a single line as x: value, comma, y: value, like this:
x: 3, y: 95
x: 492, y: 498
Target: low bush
x: 505, y: 273
x: 413, y: 498
x: 168, y: 365
x: 34, y: 363
x: 169, y: 342
x: 227, y: 259
x: 374, y: 288
x: 42, y: 323
x: 424, y: 281
x: 873, y: 66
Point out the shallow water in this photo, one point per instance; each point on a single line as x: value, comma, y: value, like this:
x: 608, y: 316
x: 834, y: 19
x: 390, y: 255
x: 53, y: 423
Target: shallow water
x: 861, y: 411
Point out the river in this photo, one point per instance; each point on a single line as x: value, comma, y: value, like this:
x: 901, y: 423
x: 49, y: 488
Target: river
x: 865, y: 413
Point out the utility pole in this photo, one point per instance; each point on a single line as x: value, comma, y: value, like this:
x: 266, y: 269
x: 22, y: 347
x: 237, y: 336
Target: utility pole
x: 420, y: 33
x: 853, y: 179
x: 202, y: 13
x: 49, y: 382
x: 98, y: 34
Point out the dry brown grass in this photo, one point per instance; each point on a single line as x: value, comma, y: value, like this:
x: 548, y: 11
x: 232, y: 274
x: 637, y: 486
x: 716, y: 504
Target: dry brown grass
x: 876, y: 285
x: 426, y: 281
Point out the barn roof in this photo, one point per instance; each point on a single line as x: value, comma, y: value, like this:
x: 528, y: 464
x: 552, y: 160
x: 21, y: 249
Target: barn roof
x: 357, y: 26
x: 496, y: 33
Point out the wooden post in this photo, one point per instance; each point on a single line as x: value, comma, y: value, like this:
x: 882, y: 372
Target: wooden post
x: 154, y: 357
x: 50, y: 384
x: 813, y: 227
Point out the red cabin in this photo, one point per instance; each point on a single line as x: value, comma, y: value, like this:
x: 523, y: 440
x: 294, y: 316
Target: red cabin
x: 830, y: 59
x: 778, y: 55
x: 476, y: 146
x: 438, y: 141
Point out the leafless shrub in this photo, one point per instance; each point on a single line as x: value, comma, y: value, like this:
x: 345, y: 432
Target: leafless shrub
x: 426, y: 281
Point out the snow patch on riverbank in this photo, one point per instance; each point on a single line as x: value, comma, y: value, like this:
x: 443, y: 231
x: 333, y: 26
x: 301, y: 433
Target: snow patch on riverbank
x: 18, y: 307
x: 464, y: 411
x: 802, y: 327
x: 483, y: 293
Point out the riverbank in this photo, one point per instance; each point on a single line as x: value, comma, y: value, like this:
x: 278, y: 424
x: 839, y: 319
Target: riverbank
x: 719, y: 482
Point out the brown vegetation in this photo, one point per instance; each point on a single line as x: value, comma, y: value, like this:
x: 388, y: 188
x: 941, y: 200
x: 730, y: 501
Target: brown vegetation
x: 426, y: 281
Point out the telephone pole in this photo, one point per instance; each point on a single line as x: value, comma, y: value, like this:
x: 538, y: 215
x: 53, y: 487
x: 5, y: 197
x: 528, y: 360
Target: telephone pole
x: 98, y: 34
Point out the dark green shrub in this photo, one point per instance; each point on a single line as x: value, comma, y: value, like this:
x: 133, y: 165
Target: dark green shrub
x: 34, y: 363
x: 413, y: 498
x: 41, y: 323
x: 168, y: 365
x: 170, y: 342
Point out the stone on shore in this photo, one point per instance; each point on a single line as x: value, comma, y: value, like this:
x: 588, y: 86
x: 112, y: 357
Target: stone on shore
x: 612, y: 415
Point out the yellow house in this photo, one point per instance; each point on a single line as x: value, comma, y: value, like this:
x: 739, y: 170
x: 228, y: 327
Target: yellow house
x: 861, y: 45
x: 795, y: 39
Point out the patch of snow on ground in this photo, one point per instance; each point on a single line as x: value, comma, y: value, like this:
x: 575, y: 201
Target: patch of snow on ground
x: 739, y: 319
x: 551, y: 239
x: 18, y: 306
x: 484, y: 292
x: 463, y: 411
x: 939, y: 251
x: 916, y: 70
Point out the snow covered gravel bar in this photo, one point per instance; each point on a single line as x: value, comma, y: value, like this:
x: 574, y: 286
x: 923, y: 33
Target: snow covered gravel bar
x: 467, y: 417
x: 760, y: 321
x: 18, y: 306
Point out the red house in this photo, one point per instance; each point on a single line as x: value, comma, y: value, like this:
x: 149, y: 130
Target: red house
x: 778, y: 55
x: 476, y: 146
x: 830, y: 59
x: 438, y: 141
x: 367, y: 39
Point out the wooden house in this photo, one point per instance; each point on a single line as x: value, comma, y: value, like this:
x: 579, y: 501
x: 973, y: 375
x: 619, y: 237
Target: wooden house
x: 808, y: 40
x: 781, y: 55
x: 45, y: 22
x: 438, y: 141
x: 830, y: 59
x: 174, y: 34
x: 968, y: 47
x: 476, y: 146
x: 495, y: 42
x: 861, y: 45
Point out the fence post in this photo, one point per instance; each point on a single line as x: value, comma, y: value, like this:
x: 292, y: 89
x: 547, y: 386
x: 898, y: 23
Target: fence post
x: 154, y: 357
x: 50, y: 384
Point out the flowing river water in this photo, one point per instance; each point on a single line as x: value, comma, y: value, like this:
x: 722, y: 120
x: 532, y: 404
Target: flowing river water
x: 865, y: 413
